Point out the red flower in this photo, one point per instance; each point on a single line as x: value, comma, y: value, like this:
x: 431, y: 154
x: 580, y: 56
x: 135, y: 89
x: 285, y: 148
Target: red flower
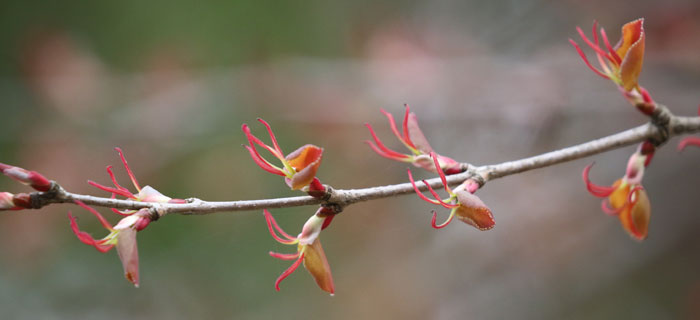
x: 145, y: 194
x: 463, y: 203
x: 626, y: 198
x: 122, y: 235
x: 415, y: 141
x: 309, y: 249
x: 623, y: 63
x: 299, y: 167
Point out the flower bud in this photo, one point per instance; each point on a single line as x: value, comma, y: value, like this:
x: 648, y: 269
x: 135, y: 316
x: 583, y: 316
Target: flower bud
x: 31, y: 178
x: 6, y: 202
x: 22, y: 200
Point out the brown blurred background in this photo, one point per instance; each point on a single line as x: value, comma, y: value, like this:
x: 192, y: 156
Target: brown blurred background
x: 171, y: 82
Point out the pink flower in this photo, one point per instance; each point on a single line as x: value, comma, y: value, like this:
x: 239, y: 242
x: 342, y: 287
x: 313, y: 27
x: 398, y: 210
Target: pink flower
x: 415, y: 141
x: 309, y: 249
x: 122, y: 235
x: 145, y: 194
x: 626, y: 198
x: 462, y: 202
x: 299, y: 167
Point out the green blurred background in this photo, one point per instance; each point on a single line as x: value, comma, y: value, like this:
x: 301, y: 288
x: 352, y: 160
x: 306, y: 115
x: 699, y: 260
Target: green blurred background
x: 171, y: 82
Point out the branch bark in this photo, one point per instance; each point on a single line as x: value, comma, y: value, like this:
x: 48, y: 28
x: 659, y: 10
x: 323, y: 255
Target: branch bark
x: 657, y: 131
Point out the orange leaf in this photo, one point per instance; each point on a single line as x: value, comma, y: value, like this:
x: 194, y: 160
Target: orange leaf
x: 474, y: 212
x: 635, y: 218
x: 631, y: 49
x: 315, y: 261
x: 305, y: 161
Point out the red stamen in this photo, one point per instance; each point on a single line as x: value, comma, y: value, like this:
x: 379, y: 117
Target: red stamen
x: 253, y: 140
x: 128, y: 170
x: 289, y: 271
x: 444, y: 224
x: 440, y: 172
x: 389, y: 153
x: 615, y: 57
x: 689, y: 141
x: 437, y: 197
x: 272, y: 226
x: 585, y: 60
x: 82, y: 235
x: 392, y: 124
x: 123, y: 193
x: 601, y: 61
x: 103, y: 221
x: 596, y: 190
x: 86, y: 238
x: 594, y: 32
x: 418, y: 192
x: 114, y: 180
x: 272, y: 136
x: 593, y: 46
x: 396, y: 156
x: 406, y: 136
x: 284, y: 256
x: 262, y: 163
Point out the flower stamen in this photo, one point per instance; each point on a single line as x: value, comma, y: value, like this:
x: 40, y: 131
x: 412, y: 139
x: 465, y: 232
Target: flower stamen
x: 289, y: 271
x: 272, y: 135
x: 272, y: 226
x: 128, y: 170
x: 284, y: 256
x: 444, y: 224
x: 382, y: 150
x: 594, y: 189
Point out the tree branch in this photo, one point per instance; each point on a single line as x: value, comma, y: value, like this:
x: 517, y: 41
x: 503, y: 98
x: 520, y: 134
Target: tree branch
x: 663, y: 126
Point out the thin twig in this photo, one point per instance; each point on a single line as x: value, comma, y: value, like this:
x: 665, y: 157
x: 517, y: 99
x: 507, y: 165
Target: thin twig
x: 341, y: 198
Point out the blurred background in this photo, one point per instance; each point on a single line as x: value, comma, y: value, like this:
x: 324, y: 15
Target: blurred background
x: 171, y: 82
